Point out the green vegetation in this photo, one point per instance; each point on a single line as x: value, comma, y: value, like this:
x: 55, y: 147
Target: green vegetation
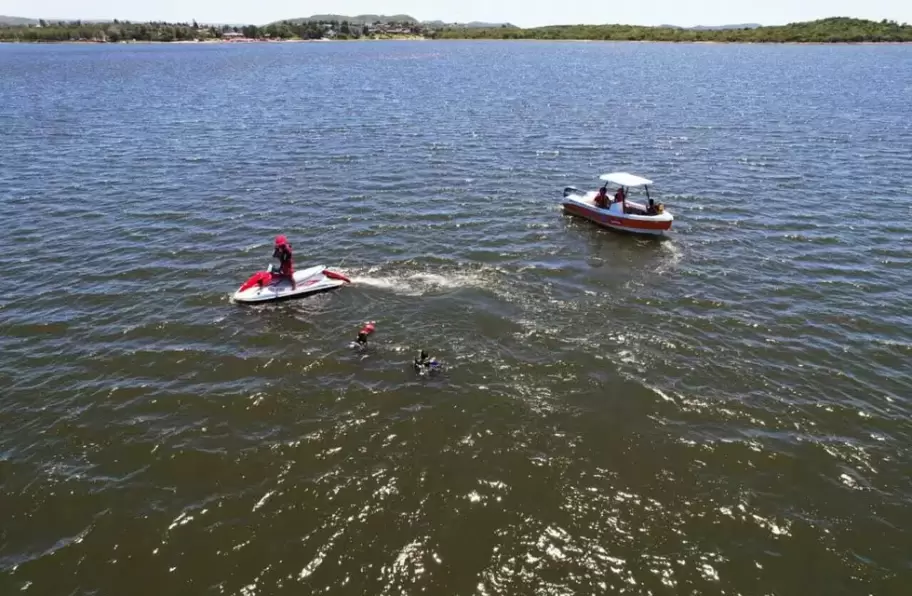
x: 334, y: 29
x: 116, y: 31
x: 361, y: 19
x: 832, y: 30
x: 113, y: 31
x: 398, y: 20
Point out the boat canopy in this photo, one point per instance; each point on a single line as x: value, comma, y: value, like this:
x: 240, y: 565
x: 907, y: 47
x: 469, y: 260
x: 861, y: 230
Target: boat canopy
x: 625, y: 179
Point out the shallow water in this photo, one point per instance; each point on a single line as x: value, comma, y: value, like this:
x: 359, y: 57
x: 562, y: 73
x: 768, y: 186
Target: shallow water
x: 723, y: 412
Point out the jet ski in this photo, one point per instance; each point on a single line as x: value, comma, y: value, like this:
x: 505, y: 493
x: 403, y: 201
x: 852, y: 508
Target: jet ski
x: 268, y: 286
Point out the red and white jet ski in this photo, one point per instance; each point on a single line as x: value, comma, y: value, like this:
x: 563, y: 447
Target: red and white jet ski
x: 267, y: 286
x: 650, y: 219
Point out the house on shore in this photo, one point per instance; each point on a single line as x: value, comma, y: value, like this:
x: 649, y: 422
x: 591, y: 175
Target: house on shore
x: 234, y: 36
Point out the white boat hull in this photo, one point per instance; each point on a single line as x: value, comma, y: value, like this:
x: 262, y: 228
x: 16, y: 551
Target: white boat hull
x: 312, y: 280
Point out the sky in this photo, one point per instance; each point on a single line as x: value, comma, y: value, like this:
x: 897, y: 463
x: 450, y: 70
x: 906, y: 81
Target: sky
x: 525, y: 13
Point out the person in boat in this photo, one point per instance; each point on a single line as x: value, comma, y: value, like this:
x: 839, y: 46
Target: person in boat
x: 285, y: 257
x: 651, y: 209
x: 601, y: 199
x: 620, y: 196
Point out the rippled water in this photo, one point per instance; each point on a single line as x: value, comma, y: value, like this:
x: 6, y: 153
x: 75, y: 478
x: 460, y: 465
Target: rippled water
x: 726, y: 411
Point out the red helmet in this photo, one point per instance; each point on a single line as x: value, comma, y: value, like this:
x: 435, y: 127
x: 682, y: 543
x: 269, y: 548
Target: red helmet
x: 281, y: 240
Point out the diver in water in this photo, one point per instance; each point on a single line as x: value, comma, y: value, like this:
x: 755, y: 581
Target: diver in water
x: 424, y: 364
x: 363, y: 333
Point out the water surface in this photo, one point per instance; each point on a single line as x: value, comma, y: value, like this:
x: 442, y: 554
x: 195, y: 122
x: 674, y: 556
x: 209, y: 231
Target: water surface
x: 724, y: 412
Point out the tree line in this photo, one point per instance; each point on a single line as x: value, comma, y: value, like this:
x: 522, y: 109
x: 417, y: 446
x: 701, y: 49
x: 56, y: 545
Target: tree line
x: 305, y: 30
x: 116, y: 31
x: 832, y: 30
x: 837, y: 29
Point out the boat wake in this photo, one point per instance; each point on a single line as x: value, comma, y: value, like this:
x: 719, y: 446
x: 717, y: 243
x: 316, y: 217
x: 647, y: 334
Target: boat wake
x: 673, y: 257
x: 421, y: 283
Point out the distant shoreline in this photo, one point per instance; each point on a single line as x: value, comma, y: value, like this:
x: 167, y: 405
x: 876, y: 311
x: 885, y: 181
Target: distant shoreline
x: 833, y: 30
x: 685, y: 42
x: 453, y: 40
x: 209, y: 41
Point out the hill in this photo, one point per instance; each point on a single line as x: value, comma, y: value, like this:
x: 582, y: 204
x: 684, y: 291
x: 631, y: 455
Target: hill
x: 370, y: 19
x: 714, y: 27
x: 724, y: 27
x: 361, y: 19
x: 472, y: 25
x: 831, y: 30
x: 17, y: 21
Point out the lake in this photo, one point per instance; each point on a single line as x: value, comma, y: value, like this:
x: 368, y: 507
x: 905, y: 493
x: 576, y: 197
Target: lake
x: 726, y: 411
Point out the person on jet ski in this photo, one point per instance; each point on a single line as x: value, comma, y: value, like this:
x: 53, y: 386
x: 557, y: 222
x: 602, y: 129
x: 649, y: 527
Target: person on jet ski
x: 285, y: 257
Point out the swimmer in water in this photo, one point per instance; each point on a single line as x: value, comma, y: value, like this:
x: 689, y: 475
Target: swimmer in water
x: 424, y: 364
x: 363, y: 334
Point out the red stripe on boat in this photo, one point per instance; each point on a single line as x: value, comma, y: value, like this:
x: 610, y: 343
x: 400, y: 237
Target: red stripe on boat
x: 612, y: 220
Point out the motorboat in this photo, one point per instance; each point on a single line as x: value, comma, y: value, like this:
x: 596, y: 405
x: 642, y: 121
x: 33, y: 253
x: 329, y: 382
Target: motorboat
x: 623, y: 215
x: 268, y: 286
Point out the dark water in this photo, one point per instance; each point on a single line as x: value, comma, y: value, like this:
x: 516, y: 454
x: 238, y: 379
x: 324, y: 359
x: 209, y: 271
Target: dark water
x: 725, y: 412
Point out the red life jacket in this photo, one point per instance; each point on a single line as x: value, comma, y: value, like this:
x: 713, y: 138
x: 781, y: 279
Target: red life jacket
x: 286, y: 258
x: 365, y: 331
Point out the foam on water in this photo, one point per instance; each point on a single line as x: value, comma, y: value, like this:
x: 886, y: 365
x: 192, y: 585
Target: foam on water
x: 418, y: 284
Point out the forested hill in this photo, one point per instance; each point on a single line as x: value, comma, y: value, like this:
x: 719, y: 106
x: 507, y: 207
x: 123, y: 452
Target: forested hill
x: 831, y: 30
x: 361, y: 19
x: 16, y: 21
